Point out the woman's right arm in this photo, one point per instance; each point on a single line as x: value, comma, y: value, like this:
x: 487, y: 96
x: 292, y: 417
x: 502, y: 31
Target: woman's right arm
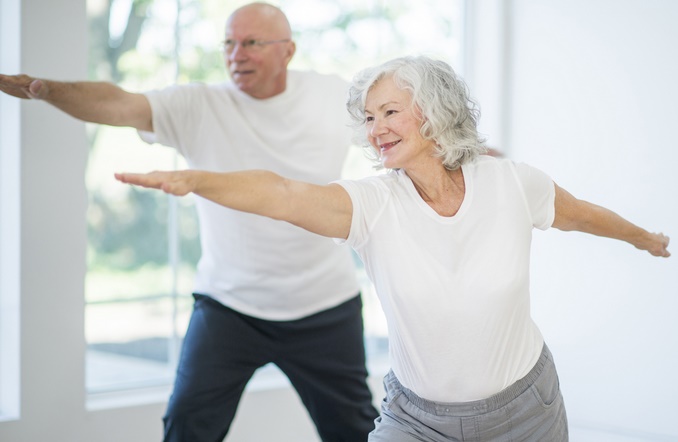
x: 325, y: 210
x: 575, y: 214
x: 95, y: 102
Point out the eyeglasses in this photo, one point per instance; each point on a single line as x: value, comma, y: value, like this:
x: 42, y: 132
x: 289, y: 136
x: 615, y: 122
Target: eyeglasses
x: 249, y: 44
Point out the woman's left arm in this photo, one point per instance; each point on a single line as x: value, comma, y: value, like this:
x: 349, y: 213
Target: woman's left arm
x: 325, y: 210
x: 575, y: 214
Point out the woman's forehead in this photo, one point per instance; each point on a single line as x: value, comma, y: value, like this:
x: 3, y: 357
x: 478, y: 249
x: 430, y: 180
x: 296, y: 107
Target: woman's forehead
x: 386, y: 90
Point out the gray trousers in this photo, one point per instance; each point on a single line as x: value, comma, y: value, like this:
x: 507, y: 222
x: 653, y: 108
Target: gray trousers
x: 531, y: 409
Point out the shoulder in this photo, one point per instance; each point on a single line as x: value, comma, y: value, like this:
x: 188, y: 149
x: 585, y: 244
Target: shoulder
x: 189, y: 90
x: 488, y: 165
x: 487, y: 162
x: 504, y: 171
x: 331, y: 82
x: 371, y: 184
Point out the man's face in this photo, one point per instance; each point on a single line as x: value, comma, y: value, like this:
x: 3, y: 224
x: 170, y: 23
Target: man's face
x: 259, y: 70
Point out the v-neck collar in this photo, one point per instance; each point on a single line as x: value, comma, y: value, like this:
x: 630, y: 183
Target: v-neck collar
x: 428, y: 210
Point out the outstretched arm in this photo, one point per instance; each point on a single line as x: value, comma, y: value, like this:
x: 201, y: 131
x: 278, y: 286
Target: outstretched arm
x: 575, y: 214
x: 95, y: 102
x: 325, y: 210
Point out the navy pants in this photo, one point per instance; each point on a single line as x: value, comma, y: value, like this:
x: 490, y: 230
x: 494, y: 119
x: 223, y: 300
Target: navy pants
x: 323, y: 356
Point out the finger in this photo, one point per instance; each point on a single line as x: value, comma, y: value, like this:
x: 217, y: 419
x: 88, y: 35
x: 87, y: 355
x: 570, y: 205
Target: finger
x: 139, y: 179
x: 37, y: 89
x: 14, y: 86
x: 173, y: 189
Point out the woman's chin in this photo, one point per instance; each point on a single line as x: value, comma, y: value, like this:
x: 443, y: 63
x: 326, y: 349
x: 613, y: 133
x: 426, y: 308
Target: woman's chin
x: 387, y: 162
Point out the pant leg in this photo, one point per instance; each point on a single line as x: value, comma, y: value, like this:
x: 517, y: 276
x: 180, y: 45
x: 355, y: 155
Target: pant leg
x: 324, y: 358
x: 536, y: 415
x: 402, y: 420
x: 219, y: 355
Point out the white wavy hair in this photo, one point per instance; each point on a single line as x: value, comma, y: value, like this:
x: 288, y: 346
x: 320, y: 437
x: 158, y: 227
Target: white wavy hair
x: 449, y: 115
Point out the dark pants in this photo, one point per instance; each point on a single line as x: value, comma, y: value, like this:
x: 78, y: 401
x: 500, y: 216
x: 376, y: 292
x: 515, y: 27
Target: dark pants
x: 323, y: 355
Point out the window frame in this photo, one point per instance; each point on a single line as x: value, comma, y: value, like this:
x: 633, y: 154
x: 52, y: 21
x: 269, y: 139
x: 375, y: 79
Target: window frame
x: 10, y: 225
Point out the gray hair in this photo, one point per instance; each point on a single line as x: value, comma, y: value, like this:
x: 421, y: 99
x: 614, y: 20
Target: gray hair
x: 449, y: 115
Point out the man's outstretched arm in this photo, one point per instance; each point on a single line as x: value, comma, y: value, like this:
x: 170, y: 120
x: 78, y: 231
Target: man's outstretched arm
x: 95, y: 102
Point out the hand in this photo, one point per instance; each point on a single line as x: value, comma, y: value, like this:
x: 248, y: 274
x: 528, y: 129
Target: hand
x: 659, y: 245
x: 177, y: 183
x: 23, y: 86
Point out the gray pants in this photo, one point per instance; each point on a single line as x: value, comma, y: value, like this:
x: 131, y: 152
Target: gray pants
x: 531, y: 409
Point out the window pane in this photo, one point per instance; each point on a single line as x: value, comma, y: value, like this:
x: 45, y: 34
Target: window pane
x: 345, y: 36
x: 137, y: 293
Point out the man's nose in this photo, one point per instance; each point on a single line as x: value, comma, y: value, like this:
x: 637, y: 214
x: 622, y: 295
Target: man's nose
x: 237, y: 53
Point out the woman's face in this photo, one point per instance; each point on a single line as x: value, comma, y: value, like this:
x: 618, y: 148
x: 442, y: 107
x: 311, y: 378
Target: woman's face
x: 392, y: 126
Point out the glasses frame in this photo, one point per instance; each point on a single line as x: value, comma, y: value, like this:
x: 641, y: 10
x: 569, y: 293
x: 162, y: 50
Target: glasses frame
x: 249, y: 44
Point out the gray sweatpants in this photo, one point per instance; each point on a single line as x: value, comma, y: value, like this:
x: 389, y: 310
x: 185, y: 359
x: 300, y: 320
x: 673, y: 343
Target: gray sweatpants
x: 531, y: 409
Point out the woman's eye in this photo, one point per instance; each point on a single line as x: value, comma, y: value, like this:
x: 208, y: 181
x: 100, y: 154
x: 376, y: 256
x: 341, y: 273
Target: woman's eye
x: 390, y: 112
x: 369, y: 119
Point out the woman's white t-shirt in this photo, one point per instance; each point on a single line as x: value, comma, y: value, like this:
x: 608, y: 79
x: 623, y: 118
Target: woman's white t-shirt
x: 455, y: 290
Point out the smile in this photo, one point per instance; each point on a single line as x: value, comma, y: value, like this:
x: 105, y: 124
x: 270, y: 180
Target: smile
x: 386, y: 146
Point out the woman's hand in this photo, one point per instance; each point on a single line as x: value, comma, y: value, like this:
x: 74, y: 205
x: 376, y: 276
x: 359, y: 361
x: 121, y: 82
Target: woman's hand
x: 177, y: 182
x: 657, y: 245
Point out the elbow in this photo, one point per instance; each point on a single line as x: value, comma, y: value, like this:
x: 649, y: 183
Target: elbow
x: 567, y: 224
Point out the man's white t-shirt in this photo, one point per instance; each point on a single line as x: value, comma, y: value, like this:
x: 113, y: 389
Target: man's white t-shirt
x: 455, y: 290
x: 258, y: 266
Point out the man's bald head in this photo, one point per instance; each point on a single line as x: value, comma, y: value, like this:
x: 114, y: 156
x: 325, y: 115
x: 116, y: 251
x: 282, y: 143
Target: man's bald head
x: 264, y: 12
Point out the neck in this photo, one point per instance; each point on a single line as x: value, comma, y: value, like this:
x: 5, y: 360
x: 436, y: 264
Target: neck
x: 443, y: 190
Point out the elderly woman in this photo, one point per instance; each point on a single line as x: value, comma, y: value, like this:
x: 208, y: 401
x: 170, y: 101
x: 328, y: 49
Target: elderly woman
x: 468, y: 362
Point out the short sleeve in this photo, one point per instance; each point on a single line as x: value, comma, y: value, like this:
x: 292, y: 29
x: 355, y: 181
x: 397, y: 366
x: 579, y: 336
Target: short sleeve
x: 539, y: 193
x: 369, y: 197
x: 175, y: 115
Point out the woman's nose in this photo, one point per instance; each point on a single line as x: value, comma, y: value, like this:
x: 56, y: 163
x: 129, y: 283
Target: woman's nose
x: 377, y: 127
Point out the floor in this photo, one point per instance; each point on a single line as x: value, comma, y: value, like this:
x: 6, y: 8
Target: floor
x: 106, y: 371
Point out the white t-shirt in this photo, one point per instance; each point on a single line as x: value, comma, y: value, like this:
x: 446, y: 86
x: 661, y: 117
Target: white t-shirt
x: 455, y: 290
x: 258, y: 266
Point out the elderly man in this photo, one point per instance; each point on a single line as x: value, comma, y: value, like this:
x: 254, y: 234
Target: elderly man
x: 265, y: 291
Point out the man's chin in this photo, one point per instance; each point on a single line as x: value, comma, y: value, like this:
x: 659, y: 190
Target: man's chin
x: 243, y: 81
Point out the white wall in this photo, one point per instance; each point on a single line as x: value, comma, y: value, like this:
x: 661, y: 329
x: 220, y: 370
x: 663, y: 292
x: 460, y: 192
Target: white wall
x: 591, y: 98
x: 52, y: 245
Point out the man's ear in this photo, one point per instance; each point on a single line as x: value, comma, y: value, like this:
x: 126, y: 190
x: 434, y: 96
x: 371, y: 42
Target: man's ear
x: 291, y: 49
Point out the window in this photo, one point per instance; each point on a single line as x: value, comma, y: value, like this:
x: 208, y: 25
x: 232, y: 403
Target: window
x: 9, y: 217
x: 136, y: 272
x: 143, y: 246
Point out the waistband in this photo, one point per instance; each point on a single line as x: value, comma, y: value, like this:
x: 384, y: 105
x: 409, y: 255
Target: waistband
x: 489, y: 404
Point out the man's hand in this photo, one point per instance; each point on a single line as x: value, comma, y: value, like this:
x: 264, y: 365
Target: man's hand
x: 23, y: 86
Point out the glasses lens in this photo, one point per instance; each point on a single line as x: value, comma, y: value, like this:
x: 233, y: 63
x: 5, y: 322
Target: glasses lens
x: 228, y: 45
